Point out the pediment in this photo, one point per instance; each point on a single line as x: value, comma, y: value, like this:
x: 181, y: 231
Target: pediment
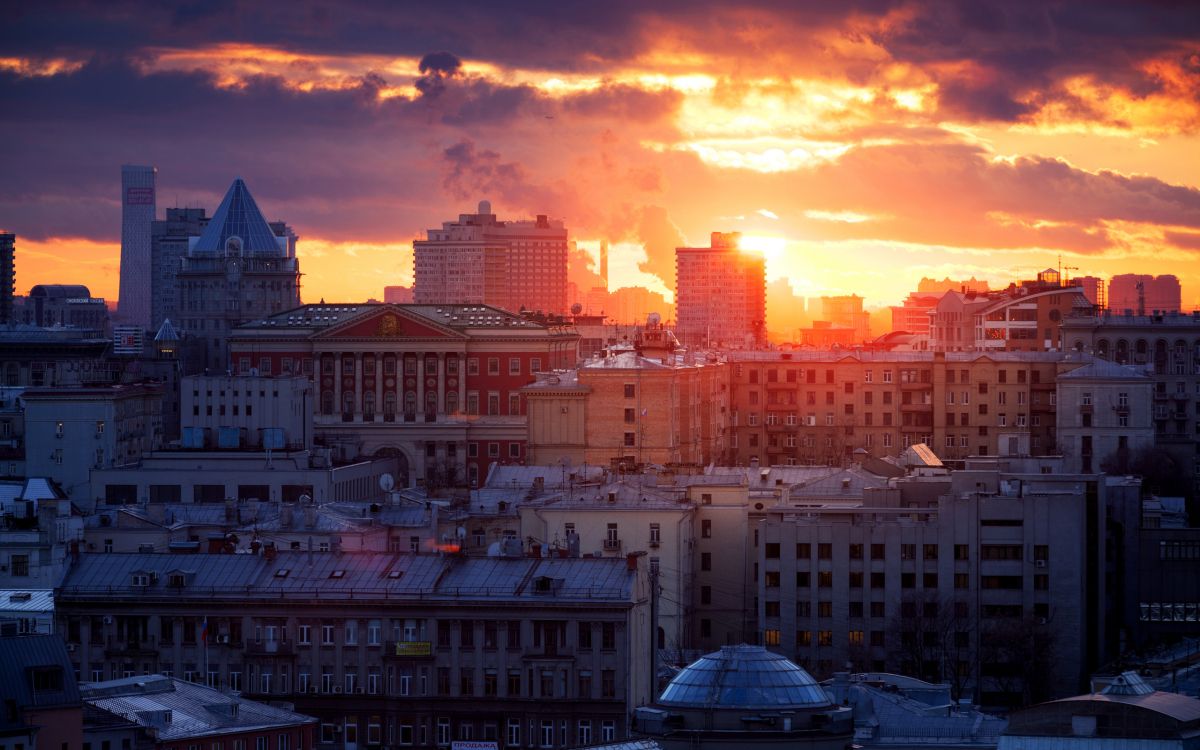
x: 388, y: 322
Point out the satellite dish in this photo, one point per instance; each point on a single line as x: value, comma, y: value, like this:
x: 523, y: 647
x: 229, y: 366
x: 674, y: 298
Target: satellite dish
x: 305, y: 499
x: 386, y: 482
x: 461, y: 532
x: 576, y: 308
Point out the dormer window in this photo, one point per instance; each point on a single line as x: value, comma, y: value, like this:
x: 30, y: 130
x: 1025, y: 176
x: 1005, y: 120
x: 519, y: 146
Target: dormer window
x: 233, y: 246
x: 176, y: 580
x: 142, y: 580
x: 338, y: 574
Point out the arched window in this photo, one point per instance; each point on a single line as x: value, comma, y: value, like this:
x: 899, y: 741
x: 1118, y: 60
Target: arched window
x: 452, y: 402
x: 347, y: 406
x: 410, y: 402
x: 389, y: 406
x: 431, y: 402
x: 369, y: 406
x: 327, y: 402
x: 1102, y: 348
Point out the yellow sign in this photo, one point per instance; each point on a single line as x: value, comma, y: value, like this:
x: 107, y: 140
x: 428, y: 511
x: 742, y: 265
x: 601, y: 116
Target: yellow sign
x: 414, y: 648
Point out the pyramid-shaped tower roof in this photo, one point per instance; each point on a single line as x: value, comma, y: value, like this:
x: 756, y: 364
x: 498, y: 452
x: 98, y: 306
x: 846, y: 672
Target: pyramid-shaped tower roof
x: 166, y: 332
x: 238, y: 217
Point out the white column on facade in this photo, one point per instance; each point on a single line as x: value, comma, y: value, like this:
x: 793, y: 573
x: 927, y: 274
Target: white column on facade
x: 337, y: 383
x: 441, y: 383
x: 378, y: 386
x: 420, y: 382
x: 462, y: 383
x: 358, y: 386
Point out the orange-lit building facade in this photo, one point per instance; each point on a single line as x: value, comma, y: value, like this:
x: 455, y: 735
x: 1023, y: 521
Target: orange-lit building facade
x: 439, y: 387
x: 720, y: 294
x: 633, y: 406
x: 799, y: 408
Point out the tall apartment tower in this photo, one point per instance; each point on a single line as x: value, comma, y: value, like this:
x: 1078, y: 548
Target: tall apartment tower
x: 1143, y: 294
x: 720, y: 295
x: 8, y: 275
x: 169, y: 239
x: 482, y: 260
x: 137, y: 214
x: 241, y: 268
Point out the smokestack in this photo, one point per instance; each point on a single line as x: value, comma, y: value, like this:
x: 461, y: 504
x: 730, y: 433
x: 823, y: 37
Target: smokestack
x: 604, y: 262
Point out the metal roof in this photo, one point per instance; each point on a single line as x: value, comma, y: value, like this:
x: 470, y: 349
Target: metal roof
x: 238, y: 216
x: 194, y: 710
x: 744, y: 677
x: 20, y: 654
x: 348, y: 575
x: 31, y: 601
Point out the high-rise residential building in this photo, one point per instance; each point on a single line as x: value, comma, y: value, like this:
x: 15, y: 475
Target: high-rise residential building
x: 169, y: 240
x: 398, y: 295
x: 720, y: 294
x: 846, y: 311
x: 1093, y: 289
x: 137, y: 214
x: 1143, y: 294
x: 8, y: 275
x: 479, y: 259
x: 240, y: 269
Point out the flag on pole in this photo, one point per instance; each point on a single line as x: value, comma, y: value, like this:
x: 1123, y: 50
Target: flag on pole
x: 204, y: 630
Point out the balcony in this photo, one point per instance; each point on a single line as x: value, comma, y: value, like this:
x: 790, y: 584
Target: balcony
x: 409, y: 649
x: 920, y: 407
x: 612, y: 545
x: 269, y: 648
x: 132, y: 648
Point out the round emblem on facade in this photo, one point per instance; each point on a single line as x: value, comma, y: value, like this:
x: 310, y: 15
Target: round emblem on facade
x: 389, y: 325
x: 328, y: 382
x: 431, y: 382
x: 411, y: 382
x: 390, y: 382
x: 452, y: 382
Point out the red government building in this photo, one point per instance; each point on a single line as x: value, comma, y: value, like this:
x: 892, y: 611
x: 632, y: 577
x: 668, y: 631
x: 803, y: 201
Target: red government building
x: 435, y: 386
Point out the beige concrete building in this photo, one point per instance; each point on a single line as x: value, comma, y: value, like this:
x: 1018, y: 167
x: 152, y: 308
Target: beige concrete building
x: 646, y: 404
x: 479, y: 259
x: 819, y: 407
x: 1104, y: 416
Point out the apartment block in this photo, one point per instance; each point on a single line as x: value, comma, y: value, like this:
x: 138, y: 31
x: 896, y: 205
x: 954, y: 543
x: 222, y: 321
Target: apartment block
x: 933, y: 576
x: 396, y: 649
x: 819, y: 407
x: 720, y: 295
x: 479, y: 259
x: 643, y: 404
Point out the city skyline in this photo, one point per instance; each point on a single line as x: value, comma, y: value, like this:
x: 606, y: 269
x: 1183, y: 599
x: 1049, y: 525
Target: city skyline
x: 860, y: 149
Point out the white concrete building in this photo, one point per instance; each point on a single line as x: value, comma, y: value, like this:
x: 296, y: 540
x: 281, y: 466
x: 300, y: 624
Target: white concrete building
x: 480, y: 259
x: 1104, y: 416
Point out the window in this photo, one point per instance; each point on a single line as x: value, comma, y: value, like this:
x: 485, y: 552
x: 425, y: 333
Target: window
x: 514, y: 365
x: 656, y: 533
x: 706, y: 529
x: 493, y: 365
x: 630, y: 390
x: 513, y: 735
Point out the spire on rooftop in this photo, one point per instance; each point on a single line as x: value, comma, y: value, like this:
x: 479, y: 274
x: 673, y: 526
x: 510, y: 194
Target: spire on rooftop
x: 238, y: 227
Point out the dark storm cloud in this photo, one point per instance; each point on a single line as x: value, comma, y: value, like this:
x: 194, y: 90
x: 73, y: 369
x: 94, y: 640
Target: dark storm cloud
x: 435, y: 68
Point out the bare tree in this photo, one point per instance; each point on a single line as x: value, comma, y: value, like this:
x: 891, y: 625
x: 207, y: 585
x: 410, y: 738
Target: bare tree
x: 1017, y: 655
x: 934, y: 639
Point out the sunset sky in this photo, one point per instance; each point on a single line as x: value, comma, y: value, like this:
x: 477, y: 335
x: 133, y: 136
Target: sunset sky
x: 861, y: 145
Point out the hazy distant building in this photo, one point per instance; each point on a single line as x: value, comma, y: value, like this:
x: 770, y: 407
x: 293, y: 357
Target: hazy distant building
x: 913, y: 315
x: 506, y: 264
x: 8, y: 275
x: 936, y: 286
x: 846, y: 311
x: 1093, y: 289
x: 66, y: 305
x: 720, y: 294
x: 1143, y: 294
x: 137, y: 213
x: 240, y: 269
x: 169, y: 240
x: 398, y: 295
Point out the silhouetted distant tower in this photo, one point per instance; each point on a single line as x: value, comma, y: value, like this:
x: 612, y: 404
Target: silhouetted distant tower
x: 8, y: 275
x: 137, y: 214
x: 604, y: 262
